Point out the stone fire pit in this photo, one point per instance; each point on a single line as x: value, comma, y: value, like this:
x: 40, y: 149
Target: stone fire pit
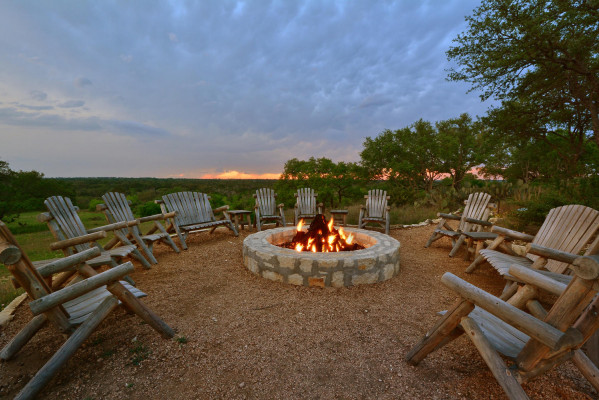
x: 378, y: 262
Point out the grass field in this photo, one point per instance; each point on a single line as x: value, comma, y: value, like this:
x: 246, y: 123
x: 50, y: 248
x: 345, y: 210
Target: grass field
x: 35, y: 238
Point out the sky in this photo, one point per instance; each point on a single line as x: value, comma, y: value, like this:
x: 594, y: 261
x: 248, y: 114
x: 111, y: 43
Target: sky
x: 219, y: 88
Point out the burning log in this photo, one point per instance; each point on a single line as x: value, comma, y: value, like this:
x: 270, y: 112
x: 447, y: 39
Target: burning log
x: 321, y: 237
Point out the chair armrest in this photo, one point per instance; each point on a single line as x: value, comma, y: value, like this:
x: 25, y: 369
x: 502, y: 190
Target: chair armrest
x: 587, y: 267
x: 449, y: 216
x: 157, y: 217
x: 512, y: 234
x: 533, y: 327
x: 551, y: 253
x: 73, y: 291
x: 478, y: 222
x: 101, y: 207
x: 532, y: 277
x: 281, y: 205
x: 69, y: 262
x: 114, y: 227
x: 90, y: 237
x: 159, y: 201
x: 362, y: 207
x: 320, y: 205
x: 221, y: 209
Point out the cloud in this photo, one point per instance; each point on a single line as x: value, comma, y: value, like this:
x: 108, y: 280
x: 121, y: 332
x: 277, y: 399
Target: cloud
x: 172, y: 37
x: 71, y: 104
x: 374, y: 101
x: 133, y: 128
x: 38, y: 95
x: 36, y: 108
x: 82, y: 82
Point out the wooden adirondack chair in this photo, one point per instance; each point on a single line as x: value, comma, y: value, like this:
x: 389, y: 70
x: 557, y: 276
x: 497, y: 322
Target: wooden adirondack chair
x: 471, y: 222
x: 305, y: 205
x: 566, y: 230
x: 117, y: 209
x: 193, y: 212
x: 266, y: 207
x: 76, y: 309
x: 64, y: 223
x: 376, y: 209
x: 534, y: 343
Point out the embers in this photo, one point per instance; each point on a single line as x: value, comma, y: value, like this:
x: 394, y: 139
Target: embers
x: 322, y: 237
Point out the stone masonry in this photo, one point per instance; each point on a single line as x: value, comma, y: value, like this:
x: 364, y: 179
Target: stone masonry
x: 378, y: 262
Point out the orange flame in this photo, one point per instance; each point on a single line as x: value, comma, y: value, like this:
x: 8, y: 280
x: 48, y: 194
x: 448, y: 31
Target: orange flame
x: 300, y: 224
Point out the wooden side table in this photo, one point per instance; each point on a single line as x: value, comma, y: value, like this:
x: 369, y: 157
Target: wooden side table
x: 336, y: 213
x: 237, y: 218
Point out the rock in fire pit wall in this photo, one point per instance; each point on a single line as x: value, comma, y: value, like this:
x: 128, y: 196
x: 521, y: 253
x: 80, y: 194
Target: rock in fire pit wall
x: 378, y: 262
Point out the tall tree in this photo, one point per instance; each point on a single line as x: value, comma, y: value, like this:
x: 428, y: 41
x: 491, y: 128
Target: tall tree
x: 462, y: 146
x: 516, y: 50
x: 409, y: 156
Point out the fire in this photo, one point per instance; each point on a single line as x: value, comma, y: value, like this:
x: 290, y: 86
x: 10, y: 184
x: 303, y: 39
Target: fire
x: 322, y: 237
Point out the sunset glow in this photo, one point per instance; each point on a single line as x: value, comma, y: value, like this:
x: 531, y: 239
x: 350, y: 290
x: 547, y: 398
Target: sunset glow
x: 239, y: 175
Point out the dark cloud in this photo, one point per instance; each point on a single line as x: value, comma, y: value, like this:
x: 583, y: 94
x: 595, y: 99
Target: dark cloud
x: 72, y: 104
x: 38, y: 95
x: 82, y: 82
x: 36, y: 108
x: 229, y: 81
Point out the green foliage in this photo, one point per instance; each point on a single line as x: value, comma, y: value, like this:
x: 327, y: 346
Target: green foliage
x: 139, y: 352
x: 93, y: 203
x: 335, y: 183
x: 148, y: 208
x: 415, y: 157
x: 24, y: 191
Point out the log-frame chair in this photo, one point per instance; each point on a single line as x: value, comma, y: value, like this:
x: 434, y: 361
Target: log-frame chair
x: 472, y: 222
x: 566, y: 232
x: 534, y: 343
x: 305, y: 205
x: 193, y: 212
x: 117, y: 208
x: 265, y: 208
x: 376, y: 210
x: 64, y: 223
x: 76, y: 309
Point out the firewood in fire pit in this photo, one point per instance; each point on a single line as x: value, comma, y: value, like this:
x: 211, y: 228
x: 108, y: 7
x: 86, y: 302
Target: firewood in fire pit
x: 321, y: 237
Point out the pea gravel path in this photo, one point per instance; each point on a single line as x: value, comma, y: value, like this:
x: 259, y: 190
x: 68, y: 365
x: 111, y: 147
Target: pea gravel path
x: 244, y: 337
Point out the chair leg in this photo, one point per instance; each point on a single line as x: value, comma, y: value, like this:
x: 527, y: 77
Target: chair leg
x: 506, y: 380
x: 444, y: 327
x: 134, y: 304
x: 587, y: 368
x: 139, y: 257
x: 457, y: 245
x: 66, y: 351
x: 23, y: 337
x: 232, y: 227
x: 387, y: 224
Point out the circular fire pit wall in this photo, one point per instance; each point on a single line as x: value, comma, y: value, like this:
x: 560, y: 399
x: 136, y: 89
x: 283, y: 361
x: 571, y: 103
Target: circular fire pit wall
x: 378, y: 262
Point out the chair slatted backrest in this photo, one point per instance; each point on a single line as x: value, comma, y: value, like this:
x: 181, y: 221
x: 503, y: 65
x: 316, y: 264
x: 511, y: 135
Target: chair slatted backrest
x: 376, y: 203
x: 119, y: 209
x: 306, y: 201
x: 191, y: 207
x: 477, y: 207
x: 567, y: 228
x: 67, y: 219
x: 266, y: 201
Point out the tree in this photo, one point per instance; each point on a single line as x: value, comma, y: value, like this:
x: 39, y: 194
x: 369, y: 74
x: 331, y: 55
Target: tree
x: 409, y: 156
x: 332, y: 181
x: 521, y: 50
x: 462, y: 146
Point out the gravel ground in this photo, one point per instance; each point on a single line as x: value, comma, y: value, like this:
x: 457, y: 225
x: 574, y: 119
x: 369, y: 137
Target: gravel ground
x: 241, y: 336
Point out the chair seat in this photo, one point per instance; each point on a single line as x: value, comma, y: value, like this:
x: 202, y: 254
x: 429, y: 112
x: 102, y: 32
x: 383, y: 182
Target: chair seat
x: 501, y: 261
x: 106, y: 256
x: 154, y: 237
x: 481, y: 235
x: 79, y: 308
x: 201, y: 225
x: 270, y: 217
x: 504, y: 338
x: 377, y: 219
x: 447, y: 233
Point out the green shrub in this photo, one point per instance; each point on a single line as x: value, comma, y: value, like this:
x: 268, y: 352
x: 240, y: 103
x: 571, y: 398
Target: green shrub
x: 93, y: 203
x: 148, y: 208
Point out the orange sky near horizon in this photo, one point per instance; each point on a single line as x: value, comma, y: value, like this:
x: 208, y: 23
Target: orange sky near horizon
x: 239, y: 175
